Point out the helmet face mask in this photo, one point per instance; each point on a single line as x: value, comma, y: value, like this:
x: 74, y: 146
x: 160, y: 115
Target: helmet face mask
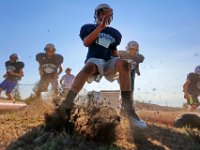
x: 132, y: 47
x: 49, y: 46
x: 14, y: 57
x: 50, y: 49
x: 102, y: 8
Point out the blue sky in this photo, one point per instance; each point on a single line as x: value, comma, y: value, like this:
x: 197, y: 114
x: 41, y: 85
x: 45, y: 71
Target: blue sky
x: 167, y: 31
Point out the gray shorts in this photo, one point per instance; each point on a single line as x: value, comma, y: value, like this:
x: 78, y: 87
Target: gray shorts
x: 105, y: 68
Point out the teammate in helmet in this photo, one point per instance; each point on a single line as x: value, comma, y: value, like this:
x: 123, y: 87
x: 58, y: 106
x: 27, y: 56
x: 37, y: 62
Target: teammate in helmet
x: 102, y: 60
x: 191, y: 89
x: 134, y: 58
x: 14, y: 72
x: 49, y: 69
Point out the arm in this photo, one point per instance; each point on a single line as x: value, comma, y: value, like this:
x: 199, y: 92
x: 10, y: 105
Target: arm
x: 137, y: 70
x: 60, y: 69
x: 61, y: 81
x: 94, y: 34
x: 41, y: 70
x: 115, y: 53
x: 20, y: 74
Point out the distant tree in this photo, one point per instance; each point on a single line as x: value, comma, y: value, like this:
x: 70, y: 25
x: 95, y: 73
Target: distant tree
x: 16, y: 93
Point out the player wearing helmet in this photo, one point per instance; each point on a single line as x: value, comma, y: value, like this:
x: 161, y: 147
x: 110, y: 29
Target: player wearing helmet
x: 14, y: 72
x: 49, y: 69
x: 102, y: 60
x: 134, y: 58
x: 191, y: 88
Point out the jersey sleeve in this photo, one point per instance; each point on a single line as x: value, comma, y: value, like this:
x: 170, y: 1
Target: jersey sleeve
x: 192, y: 76
x: 86, y: 30
x: 118, y: 37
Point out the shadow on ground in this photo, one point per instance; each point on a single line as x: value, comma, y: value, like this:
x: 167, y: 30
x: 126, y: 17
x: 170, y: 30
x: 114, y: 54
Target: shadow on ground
x: 156, y: 137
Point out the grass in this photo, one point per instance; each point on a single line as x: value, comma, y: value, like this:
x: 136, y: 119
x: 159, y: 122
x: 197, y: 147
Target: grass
x: 23, y: 130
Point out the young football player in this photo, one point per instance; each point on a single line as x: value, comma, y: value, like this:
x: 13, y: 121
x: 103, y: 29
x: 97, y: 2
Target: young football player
x: 134, y: 58
x: 191, y: 89
x: 14, y: 72
x: 102, y: 60
x: 49, y: 69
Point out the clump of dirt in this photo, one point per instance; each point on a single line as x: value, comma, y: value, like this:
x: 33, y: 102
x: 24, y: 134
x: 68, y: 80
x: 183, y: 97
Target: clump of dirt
x: 96, y: 123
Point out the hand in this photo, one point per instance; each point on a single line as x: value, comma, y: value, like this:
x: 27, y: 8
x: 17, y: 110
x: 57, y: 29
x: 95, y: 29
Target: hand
x: 56, y: 75
x: 138, y: 73
x: 5, y: 75
x: 11, y: 73
x: 105, y: 20
x: 187, y: 95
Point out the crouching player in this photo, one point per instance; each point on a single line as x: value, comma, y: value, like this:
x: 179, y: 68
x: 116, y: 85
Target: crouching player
x: 191, y: 88
x: 134, y: 59
x: 102, y: 60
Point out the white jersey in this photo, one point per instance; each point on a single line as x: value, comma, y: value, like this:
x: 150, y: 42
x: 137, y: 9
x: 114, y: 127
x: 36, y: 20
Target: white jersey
x: 68, y: 80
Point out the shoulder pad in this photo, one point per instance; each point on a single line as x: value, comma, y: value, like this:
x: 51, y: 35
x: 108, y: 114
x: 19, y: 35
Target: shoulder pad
x: 7, y: 63
x: 59, y: 58
x: 140, y: 58
x: 40, y: 57
x: 21, y: 64
x: 191, y: 74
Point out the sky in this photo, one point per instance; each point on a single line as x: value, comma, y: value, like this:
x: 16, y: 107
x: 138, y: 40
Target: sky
x: 168, y: 33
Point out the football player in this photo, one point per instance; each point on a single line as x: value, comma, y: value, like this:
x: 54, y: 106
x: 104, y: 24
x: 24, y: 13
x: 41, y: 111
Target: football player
x: 191, y: 89
x: 134, y: 58
x: 14, y: 72
x: 49, y: 69
x: 101, y: 60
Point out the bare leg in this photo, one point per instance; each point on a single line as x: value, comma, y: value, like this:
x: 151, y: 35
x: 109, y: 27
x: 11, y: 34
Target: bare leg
x: 77, y: 85
x: 122, y: 67
x: 82, y: 77
x: 124, y: 75
x: 59, y: 116
x: 1, y: 91
x: 10, y: 97
x: 192, y: 108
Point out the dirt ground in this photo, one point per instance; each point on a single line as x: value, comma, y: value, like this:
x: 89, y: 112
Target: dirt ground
x: 24, y: 130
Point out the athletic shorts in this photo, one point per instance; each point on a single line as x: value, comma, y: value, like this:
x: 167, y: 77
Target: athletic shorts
x: 105, y: 68
x: 8, y: 85
x: 44, y: 83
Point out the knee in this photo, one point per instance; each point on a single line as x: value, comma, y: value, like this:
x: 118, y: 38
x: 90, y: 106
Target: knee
x: 122, y: 64
x: 90, y: 68
x: 8, y: 94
